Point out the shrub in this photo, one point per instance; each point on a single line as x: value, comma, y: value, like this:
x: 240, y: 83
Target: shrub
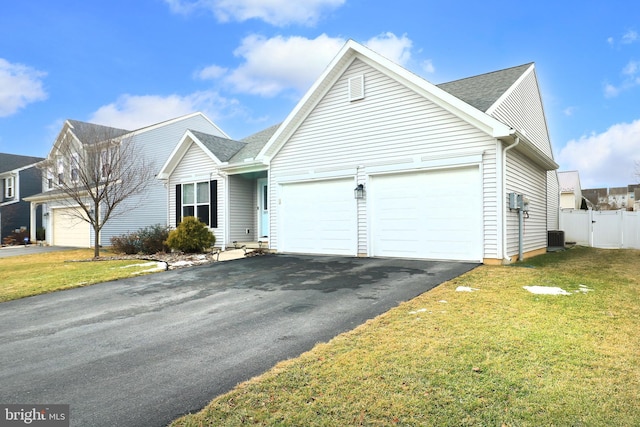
x: 125, y: 244
x: 148, y: 240
x: 152, y: 239
x: 190, y: 236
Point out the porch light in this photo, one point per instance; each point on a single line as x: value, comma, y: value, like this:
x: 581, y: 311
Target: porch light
x: 358, y: 192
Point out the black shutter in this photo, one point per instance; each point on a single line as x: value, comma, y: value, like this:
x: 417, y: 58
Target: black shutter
x: 213, y: 200
x: 178, y: 204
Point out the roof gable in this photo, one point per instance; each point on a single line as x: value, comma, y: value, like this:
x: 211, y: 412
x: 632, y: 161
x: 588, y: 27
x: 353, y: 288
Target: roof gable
x: 484, y: 90
x: 222, y: 148
x: 352, y: 50
x: 218, y: 149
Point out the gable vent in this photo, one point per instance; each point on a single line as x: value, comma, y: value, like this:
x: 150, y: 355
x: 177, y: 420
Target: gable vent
x: 356, y: 88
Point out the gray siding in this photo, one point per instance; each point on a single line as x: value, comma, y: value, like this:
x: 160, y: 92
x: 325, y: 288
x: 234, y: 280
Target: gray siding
x: 242, y: 209
x: 156, y: 144
x: 391, y: 125
x: 524, y: 177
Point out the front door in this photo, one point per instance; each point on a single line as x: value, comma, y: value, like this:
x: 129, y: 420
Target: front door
x: 263, y: 208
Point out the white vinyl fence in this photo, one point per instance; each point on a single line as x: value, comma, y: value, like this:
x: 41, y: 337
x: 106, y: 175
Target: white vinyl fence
x: 601, y: 229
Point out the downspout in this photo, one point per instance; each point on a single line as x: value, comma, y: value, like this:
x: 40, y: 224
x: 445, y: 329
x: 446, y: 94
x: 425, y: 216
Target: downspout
x: 505, y: 255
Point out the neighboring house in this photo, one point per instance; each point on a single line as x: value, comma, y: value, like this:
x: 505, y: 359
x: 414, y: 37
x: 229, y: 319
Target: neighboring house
x: 19, y: 178
x: 570, y: 190
x: 376, y: 161
x: 154, y: 142
x: 618, y: 198
x: 613, y: 198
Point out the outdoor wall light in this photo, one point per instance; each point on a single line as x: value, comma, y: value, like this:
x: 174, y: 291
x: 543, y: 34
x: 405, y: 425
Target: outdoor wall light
x: 358, y: 192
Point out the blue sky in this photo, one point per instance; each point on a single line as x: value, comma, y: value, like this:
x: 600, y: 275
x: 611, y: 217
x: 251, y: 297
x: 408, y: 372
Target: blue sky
x: 246, y: 63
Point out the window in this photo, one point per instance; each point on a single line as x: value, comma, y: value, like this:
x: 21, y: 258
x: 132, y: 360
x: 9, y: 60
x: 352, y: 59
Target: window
x: 60, y: 171
x: 75, y: 167
x: 195, y: 201
x: 9, y: 188
x: 199, y: 199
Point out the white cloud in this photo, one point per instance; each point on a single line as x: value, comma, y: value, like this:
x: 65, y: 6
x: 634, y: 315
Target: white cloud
x: 631, y: 74
x: 275, y: 65
x: 397, y: 49
x: 631, y: 69
x: 278, y: 64
x: 428, y: 67
x: 629, y: 37
x: 136, y: 111
x: 569, y: 111
x: 20, y: 85
x: 211, y: 72
x: 275, y: 12
x: 604, y: 159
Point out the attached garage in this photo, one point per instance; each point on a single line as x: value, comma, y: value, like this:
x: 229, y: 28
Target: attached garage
x: 69, y: 230
x: 318, y: 217
x: 428, y: 214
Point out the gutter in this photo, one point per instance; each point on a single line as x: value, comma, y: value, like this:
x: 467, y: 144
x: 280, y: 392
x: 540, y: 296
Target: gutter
x: 505, y: 255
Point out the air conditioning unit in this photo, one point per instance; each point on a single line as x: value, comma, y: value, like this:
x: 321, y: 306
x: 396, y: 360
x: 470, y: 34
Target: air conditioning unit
x: 555, y: 239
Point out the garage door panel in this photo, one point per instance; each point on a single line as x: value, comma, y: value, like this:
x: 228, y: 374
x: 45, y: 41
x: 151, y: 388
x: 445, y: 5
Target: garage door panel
x: 69, y: 230
x: 318, y: 217
x: 431, y: 214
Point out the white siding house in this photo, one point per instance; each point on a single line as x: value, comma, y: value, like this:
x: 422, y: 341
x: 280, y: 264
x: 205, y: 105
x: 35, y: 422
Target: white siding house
x: 436, y: 162
x: 376, y: 161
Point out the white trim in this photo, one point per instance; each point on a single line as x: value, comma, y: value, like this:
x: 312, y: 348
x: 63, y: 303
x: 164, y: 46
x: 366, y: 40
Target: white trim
x: 318, y: 176
x: 427, y: 162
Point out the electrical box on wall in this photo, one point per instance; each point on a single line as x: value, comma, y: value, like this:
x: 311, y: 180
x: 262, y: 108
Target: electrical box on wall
x: 513, y: 201
x: 519, y: 202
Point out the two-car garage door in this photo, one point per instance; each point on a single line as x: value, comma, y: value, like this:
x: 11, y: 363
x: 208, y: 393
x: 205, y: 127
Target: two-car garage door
x: 427, y: 214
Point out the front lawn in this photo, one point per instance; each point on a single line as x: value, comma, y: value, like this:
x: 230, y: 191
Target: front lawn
x: 497, y: 356
x: 27, y: 275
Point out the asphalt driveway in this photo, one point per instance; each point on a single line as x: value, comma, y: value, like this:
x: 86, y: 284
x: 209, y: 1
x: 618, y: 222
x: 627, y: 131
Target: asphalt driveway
x: 142, y: 351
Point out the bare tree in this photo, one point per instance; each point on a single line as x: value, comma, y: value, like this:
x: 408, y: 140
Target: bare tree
x: 95, y: 169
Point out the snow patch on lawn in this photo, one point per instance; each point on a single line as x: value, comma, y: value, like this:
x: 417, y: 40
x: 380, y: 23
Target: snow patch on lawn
x: 546, y: 290
x: 155, y: 266
x: 466, y: 289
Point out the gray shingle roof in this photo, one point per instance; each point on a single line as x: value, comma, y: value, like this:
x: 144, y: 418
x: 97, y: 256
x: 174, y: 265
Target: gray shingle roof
x: 10, y: 162
x: 222, y: 148
x: 90, y: 132
x: 484, y: 90
x: 255, y: 143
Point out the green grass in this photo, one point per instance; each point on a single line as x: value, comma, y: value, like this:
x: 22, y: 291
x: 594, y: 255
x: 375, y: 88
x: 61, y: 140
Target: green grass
x: 27, y: 275
x: 500, y: 356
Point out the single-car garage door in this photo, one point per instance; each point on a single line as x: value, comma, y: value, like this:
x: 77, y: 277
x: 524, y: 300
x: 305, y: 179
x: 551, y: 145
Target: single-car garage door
x: 428, y: 214
x: 69, y: 230
x: 318, y: 217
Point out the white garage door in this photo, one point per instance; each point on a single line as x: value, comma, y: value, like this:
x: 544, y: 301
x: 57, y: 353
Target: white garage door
x: 318, y: 217
x: 69, y: 230
x: 435, y: 214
